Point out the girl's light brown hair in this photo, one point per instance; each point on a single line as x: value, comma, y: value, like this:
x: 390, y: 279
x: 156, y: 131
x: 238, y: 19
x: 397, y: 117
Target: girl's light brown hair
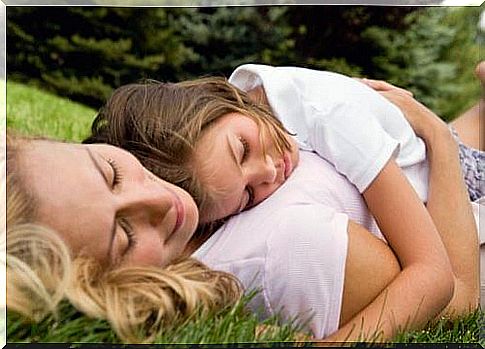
x: 161, y: 123
x: 138, y: 302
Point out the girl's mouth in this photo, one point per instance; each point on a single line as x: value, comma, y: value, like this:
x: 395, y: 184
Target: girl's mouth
x: 288, y: 164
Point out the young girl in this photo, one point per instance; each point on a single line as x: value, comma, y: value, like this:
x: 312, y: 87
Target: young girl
x: 336, y: 117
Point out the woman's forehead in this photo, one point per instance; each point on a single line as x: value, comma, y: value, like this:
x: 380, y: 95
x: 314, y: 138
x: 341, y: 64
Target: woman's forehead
x: 71, y: 194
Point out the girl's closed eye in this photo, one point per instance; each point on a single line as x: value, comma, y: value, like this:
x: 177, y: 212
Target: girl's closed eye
x: 245, y: 147
x: 249, y: 190
x: 117, y: 174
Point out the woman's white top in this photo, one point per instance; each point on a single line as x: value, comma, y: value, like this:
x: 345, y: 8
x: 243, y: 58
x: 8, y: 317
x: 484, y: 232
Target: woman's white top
x: 293, y: 246
x: 343, y: 120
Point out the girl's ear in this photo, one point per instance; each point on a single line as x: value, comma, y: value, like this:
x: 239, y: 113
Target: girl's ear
x: 258, y: 95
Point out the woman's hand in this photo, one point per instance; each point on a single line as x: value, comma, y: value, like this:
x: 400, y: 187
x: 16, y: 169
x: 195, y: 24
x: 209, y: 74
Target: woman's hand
x: 382, y: 86
x: 424, y: 122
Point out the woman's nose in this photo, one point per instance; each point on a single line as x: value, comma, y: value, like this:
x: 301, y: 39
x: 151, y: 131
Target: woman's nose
x: 150, y: 202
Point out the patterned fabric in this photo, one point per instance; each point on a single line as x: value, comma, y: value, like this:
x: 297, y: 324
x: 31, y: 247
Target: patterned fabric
x: 473, y: 168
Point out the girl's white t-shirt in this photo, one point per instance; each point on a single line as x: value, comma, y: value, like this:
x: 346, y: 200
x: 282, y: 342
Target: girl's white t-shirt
x: 343, y: 120
x: 292, y: 247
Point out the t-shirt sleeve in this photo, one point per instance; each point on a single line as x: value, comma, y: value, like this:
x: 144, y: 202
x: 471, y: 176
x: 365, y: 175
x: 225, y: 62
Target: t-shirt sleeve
x: 351, y: 138
x: 305, y: 267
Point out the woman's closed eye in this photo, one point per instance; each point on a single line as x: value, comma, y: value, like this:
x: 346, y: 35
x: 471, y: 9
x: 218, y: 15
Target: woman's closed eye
x: 117, y: 174
x: 130, y: 235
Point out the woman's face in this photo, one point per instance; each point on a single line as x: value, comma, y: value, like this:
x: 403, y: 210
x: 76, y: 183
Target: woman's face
x: 105, y: 204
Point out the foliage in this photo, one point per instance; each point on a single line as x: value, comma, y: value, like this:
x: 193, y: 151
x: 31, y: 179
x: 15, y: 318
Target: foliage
x: 329, y: 37
x: 85, y: 52
x: 434, y: 58
x: 225, y: 37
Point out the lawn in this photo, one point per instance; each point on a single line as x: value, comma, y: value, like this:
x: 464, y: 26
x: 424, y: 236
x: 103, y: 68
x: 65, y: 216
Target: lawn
x: 33, y: 112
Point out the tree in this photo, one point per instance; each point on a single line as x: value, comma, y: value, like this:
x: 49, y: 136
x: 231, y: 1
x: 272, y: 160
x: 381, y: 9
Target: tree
x: 84, y: 52
x: 434, y: 58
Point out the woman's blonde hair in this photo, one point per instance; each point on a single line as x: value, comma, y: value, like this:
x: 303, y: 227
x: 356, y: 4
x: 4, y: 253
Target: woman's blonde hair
x: 137, y: 301
x: 161, y: 123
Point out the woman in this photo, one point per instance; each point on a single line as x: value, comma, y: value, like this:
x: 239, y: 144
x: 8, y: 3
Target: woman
x: 66, y: 238
x: 352, y: 302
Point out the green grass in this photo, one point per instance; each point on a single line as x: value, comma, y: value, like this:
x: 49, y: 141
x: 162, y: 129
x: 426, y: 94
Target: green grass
x: 233, y: 325
x: 34, y: 112
x: 468, y: 329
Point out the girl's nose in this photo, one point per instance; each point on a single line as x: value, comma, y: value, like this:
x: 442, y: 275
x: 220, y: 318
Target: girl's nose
x: 264, y: 171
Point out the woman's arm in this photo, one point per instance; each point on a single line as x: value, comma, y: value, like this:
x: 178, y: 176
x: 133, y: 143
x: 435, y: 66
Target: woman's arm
x: 452, y: 217
x: 448, y: 202
x: 425, y: 284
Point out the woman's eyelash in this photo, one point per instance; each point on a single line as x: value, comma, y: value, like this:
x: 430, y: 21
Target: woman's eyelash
x: 245, y: 145
x: 129, y: 234
x: 117, y: 175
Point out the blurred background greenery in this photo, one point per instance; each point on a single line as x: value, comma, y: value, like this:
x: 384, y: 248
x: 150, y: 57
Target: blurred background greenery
x: 84, y: 52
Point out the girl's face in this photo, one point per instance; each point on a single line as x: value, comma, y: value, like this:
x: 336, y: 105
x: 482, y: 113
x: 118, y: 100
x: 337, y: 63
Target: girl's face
x: 230, y: 161
x: 106, y: 205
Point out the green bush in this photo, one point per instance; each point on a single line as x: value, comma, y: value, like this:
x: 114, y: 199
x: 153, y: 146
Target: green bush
x: 85, y: 52
x: 434, y: 57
